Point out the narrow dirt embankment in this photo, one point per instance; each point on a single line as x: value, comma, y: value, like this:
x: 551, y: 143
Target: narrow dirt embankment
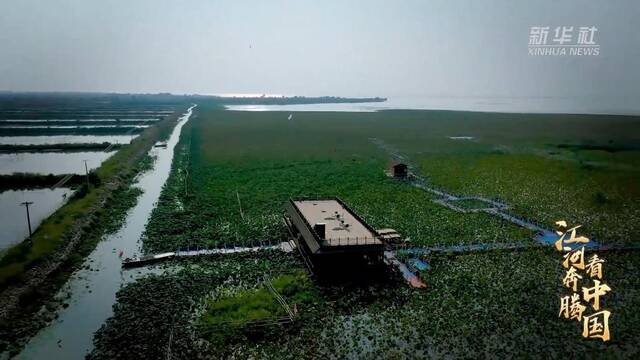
x: 29, y: 277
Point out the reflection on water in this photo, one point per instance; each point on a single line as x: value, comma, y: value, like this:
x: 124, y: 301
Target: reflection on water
x: 93, y: 291
x: 13, y: 216
x: 355, y: 107
x: 52, y: 163
x: 580, y: 105
x: 66, y: 139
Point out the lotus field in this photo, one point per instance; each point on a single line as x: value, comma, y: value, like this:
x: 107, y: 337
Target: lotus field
x: 233, y: 172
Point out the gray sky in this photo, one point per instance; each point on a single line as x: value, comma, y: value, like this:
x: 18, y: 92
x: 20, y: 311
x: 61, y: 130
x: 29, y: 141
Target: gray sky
x: 349, y: 48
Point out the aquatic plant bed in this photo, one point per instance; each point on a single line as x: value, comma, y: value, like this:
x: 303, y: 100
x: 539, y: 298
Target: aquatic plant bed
x: 233, y: 171
x: 192, y: 304
x: 471, y: 306
x: 231, y: 160
x: 594, y: 184
x: 273, y: 302
x: 605, y: 199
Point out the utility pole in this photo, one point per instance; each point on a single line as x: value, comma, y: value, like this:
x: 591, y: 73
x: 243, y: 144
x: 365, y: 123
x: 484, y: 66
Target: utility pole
x: 168, y: 352
x: 86, y: 170
x: 26, y: 205
x: 240, y: 205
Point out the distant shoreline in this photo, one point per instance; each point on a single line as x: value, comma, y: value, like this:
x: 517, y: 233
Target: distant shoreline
x: 12, y: 104
x: 294, y: 100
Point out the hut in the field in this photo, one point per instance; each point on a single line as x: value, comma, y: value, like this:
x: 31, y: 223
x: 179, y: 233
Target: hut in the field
x: 399, y: 170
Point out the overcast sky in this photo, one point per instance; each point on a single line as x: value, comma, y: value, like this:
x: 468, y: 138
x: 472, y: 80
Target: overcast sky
x: 349, y: 48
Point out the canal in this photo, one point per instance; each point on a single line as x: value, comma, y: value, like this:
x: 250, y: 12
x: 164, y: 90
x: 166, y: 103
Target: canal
x: 92, y: 290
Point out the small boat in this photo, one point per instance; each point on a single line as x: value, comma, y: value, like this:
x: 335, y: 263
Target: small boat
x: 145, y: 260
x: 160, y: 144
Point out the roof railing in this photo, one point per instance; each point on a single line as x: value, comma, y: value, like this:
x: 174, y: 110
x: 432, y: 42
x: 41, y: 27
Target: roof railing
x: 350, y: 241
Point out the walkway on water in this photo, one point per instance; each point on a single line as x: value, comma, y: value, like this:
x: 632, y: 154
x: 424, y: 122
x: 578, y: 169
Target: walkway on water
x: 389, y: 258
x: 544, y: 236
x: 447, y: 199
x: 288, y: 247
x: 409, y: 273
x: 137, y: 261
x: 410, y: 277
x: 456, y: 249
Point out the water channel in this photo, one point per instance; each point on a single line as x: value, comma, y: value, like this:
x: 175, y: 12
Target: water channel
x: 93, y: 291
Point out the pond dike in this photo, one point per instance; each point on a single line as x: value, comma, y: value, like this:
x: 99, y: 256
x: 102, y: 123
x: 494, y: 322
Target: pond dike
x: 82, y: 230
x: 91, y: 291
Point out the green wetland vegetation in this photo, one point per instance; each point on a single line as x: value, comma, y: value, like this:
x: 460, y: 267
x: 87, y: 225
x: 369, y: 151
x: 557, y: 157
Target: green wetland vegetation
x: 233, y: 171
x: 54, y: 232
x: 478, y: 305
x: 264, y: 159
x: 31, y: 272
x: 231, y: 311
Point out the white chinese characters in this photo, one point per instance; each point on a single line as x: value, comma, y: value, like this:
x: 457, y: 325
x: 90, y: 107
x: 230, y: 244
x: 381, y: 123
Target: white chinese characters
x: 563, y: 40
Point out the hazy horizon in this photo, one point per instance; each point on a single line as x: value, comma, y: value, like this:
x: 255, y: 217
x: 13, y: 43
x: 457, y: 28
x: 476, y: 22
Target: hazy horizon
x: 404, y: 49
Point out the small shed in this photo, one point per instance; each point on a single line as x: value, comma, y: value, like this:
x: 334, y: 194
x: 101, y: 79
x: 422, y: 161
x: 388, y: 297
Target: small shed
x: 399, y: 170
x: 389, y: 236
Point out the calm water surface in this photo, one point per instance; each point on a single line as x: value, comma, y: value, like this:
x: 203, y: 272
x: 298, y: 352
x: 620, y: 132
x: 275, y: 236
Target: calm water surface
x: 52, y: 163
x: 596, y: 105
x: 93, y: 292
x: 13, y: 216
x: 66, y: 139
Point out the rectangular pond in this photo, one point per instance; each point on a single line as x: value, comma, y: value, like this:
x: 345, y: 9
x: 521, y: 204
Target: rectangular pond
x: 71, y: 121
x: 52, y: 163
x: 66, y: 139
x: 91, y: 291
x: 13, y: 216
x: 18, y: 128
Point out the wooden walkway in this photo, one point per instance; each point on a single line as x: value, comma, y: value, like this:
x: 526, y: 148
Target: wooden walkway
x: 138, y: 261
x: 410, y: 277
x: 497, y: 209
